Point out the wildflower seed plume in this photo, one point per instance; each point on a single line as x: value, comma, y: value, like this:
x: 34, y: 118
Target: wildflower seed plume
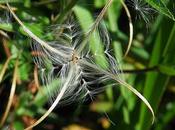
x: 74, y: 64
x: 86, y: 72
x: 80, y: 70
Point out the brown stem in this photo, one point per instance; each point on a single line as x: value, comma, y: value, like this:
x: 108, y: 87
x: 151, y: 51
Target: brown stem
x: 8, y: 53
x: 6, y: 49
x: 4, y: 34
x: 5, y: 7
x: 36, y: 77
x: 11, y: 96
x: 131, y: 32
x: 140, y: 71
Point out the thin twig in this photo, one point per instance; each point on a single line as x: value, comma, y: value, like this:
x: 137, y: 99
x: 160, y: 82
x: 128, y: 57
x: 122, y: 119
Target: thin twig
x: 8, y: 53
x: 36, y: 77
x: 95, y: 25
x: 4, y: 34
x: 126, y: 85
x: 57, y: 100
x: 4, y: 68
x: 131, y: 32
x: 12, y: 92
x: 6, y: 49
x: 32, y: 35
x: 140, y: 71
x: 5, y: 7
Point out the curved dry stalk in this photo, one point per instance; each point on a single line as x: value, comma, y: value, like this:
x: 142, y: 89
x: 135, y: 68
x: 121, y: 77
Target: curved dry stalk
x: 12, y: 92
x: 4, y: 68
x: 138, y: 95
x: 100, y: 16
x: 4, y: 34
x: 95, y: 25
x: 58, y: 98
x: 131, y: 33
x: 32, y: 35
x: 126, y: 86
x: 4, y: 7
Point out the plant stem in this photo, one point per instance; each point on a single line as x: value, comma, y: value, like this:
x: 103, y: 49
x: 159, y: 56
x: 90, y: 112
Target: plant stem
x: 61, y: 17
x: 131, y: 32
x: 12, y: 93
x: 57, y: 100
x: 94, y: 26
x: 140, y: 71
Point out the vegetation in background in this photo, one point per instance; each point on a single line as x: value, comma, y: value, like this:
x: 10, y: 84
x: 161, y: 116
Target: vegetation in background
x: 149, y: 66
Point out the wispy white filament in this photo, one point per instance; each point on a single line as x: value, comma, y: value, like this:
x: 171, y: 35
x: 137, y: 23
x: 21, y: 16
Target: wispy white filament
x: 143, y: 10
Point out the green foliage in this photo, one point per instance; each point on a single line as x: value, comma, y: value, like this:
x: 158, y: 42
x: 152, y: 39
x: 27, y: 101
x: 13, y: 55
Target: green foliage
x: 10, y: 1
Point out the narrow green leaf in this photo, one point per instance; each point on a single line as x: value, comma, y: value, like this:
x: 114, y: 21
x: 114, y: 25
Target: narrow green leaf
x: 156, y: 82
x: 99, y: 3
x: 167, y: 69
x: 18, y: 125
x: 86, y: 20
x: 160, y: 5
x: 168, y: 115
x: 6, y: 27
x: 10, y: 1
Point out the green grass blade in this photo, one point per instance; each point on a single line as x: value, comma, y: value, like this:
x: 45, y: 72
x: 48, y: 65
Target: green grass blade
x: 155, y: 82
x: 160, y: 5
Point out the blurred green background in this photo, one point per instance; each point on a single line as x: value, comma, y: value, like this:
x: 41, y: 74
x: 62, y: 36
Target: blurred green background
x: 149, y: 67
